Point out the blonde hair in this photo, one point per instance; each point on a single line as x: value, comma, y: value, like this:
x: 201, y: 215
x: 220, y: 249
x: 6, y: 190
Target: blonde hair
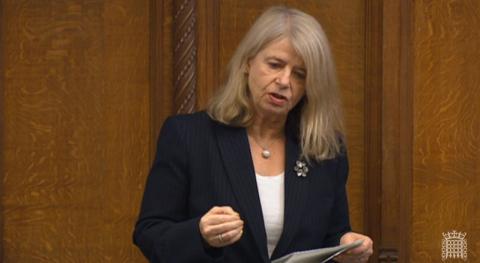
x: 320, y: 123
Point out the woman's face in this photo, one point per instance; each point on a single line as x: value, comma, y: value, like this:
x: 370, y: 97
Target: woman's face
x: 276, y: 79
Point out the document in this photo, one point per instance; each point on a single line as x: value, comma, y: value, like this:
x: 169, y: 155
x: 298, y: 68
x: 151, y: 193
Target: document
x: 320, y: 255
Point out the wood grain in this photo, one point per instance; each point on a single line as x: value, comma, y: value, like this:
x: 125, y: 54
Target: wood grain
x: 76, y: 129
x: 447, y: 122
x: 161, y: 67
x: 373, y: 120
x: 2, y: 120
x: 397, y: 132
x: 208, y: 78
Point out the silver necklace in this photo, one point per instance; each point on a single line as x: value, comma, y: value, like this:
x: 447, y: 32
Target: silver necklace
x: 265, y: 151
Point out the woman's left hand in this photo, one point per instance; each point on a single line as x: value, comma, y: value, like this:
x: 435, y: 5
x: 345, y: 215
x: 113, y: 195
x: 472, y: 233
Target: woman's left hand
x: 358, y: 254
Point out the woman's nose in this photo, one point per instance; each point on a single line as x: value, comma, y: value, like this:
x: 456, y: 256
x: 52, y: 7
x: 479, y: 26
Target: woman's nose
x: 284, y: 77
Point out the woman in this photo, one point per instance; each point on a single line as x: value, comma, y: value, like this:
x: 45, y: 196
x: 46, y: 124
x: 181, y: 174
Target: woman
x: 262, y: 173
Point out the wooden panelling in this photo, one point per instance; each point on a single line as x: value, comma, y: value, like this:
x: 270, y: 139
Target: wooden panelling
x: 447, y: 126
x: 76, y: 128
x: 2, y: 121
x: 373, y: 120
x: 344, y: 23
x: 185, y: 56
x: 161, y: 67
x: 86, y: 86
x: 208, y: 78
x: 397, y: 131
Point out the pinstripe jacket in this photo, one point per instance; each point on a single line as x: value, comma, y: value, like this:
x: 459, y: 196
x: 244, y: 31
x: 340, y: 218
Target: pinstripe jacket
x: 201, y: 163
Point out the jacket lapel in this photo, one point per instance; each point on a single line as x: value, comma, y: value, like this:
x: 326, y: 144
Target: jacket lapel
x: 235, y: 152
x: 295, y: 197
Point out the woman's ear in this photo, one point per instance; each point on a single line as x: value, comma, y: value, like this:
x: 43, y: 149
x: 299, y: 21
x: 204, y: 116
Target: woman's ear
x: 246, y: 68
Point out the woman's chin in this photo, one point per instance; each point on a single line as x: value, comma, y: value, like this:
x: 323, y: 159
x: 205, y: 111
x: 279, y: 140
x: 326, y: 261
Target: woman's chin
x: 275, y: 111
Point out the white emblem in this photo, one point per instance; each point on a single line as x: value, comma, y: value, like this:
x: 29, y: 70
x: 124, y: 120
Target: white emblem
x: 454, y: 245
x: 301, y: 169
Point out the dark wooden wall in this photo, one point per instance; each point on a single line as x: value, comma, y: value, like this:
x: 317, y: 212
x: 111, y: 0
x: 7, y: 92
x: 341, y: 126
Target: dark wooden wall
x: 431, y: 127
x: 446, y: 132
x: 86, y: 85
x: 76, y: 125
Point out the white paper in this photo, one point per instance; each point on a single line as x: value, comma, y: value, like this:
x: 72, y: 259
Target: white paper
x: 320, y: 255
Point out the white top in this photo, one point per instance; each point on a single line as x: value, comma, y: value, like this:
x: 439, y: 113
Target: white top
x: 271, y: 190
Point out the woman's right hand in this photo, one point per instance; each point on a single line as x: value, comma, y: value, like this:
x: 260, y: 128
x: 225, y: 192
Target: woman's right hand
x: 221, y: 226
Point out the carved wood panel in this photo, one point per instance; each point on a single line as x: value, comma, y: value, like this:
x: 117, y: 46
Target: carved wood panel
x: 185, y: 55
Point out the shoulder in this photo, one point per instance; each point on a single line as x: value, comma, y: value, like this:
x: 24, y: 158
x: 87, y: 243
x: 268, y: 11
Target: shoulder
x: 197, y: 120
x: 190, y: 127
x: 190, y: 118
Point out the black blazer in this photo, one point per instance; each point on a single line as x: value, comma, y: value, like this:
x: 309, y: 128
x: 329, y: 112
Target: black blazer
x: 201, y: 163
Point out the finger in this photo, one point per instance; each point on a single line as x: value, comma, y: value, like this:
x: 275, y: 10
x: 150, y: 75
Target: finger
x: 215, y: 224
x: 216, y: 219
x: 223, y: 210
x: 228, y: 210
x: 348, y: 237
x: 358, y: 250
x: 232, y: 236
x: 208, y: 222
x: 223, y: 228
x: 213, y: 210
x: 215, y: 241
x: 213, y: 230
x: 360, y: 258
x: 367, y: 249
x: 225, y: 239
x: 217, y: 210
x: 238, y: 236
x: 355, y: 257
x: 365, y: 246
x: 366, y: 254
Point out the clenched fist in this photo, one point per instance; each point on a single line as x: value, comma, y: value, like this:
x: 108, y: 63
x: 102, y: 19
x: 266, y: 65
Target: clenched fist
x: 221, y: 226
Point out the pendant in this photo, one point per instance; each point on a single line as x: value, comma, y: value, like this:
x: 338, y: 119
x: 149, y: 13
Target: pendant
x: 266, y: 154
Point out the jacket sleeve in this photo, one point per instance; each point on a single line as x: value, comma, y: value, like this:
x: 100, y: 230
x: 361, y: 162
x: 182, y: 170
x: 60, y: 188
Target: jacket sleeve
x: 164, y: 232
x: 339, y: 221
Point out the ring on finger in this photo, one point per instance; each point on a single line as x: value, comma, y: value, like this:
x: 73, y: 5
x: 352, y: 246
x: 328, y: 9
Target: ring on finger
x: 220, y: 238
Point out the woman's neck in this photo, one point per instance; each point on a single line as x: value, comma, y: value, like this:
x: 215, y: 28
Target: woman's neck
x: 267, y: 128
x: 267, y: 142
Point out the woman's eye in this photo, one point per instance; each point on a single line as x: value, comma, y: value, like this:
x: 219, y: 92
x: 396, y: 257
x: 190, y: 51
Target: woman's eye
x: 300, y: 75
x: 274, y: 65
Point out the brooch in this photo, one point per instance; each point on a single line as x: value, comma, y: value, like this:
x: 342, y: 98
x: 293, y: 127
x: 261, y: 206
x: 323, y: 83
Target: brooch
x: 301, y: 169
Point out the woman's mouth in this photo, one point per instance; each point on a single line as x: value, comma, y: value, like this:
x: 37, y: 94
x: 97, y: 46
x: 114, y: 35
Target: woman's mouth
x: 277, y: 99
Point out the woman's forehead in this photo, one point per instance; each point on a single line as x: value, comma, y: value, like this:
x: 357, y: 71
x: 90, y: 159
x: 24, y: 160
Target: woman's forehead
x: 282, y: 49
